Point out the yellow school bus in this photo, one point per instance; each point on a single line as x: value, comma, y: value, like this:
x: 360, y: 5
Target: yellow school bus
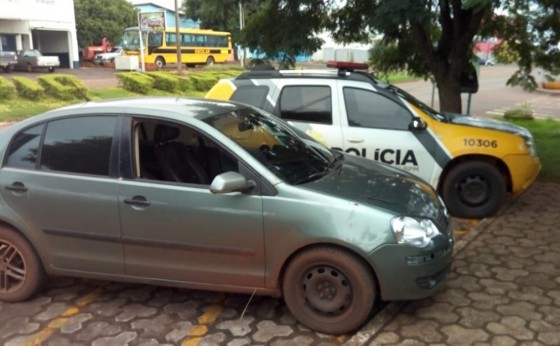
x: 198, y: 46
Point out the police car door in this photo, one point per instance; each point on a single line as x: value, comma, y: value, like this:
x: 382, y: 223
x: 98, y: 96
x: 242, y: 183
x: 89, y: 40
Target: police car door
x: 309, y: 105
x: 377, y: 125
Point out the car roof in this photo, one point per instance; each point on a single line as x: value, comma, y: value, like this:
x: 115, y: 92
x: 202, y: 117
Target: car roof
x: 345, y: 74
x: 153, y: 105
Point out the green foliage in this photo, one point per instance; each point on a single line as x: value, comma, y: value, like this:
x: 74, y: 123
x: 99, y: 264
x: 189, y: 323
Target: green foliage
x: 7, y: 89
x: 294, y: 32
x: 28, y: 88
x: 505, y: 55
x: 98, y: 18
x: 547, y: 139
x: 63, y: 86
x: 203, y: 81
x: 522, y: 111
x: 164, y: 81
x: 137, y: 82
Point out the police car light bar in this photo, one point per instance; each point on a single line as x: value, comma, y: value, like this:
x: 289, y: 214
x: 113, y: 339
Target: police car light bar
x: 347, y: 65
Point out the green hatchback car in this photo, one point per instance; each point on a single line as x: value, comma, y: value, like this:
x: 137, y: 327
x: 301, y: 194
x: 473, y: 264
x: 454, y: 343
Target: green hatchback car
x: 215, y: 196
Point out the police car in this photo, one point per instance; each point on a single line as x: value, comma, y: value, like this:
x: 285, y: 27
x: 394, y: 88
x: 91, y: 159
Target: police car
x: 473, y: 163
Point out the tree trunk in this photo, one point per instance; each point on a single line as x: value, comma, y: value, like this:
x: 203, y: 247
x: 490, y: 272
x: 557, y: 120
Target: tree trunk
x: 449, y: 92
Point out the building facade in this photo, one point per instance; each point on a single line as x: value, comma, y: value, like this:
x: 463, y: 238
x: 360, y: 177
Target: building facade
x: 47, y: 25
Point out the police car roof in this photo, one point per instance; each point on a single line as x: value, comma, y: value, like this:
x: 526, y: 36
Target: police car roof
x: 342, y: 73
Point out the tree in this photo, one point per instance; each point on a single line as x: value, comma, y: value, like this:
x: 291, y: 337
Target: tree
x: 278, y: 29
x: 221, y: 14
x: 532, y: 33
x: 423, y: 37
x: 110, y: 19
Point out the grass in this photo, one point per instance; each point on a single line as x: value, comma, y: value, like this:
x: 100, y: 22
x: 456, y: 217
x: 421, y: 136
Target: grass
x: 547, y: 139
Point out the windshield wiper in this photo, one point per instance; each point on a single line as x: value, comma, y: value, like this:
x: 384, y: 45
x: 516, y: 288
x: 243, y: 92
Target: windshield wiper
x: 312, y: 176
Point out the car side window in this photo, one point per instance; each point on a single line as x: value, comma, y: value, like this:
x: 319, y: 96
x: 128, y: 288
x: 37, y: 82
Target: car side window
x: 172, y: 152
x: 369, y: 109
x: 79, y: 145
x: 311, y: 104
x: 254, y: 95
x: 24, y: 148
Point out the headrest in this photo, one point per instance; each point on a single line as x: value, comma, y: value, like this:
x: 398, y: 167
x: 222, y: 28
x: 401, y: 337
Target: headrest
x: 165, y: 133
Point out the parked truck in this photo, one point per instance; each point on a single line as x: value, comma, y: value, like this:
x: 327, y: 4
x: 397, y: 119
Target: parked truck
x: 7, y: 60
x: 32, y: 59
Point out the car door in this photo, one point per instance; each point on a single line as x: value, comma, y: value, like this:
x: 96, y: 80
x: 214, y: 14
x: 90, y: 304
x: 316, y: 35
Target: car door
x: 173, y: 227
x: 311, y: 106
x: 378, y: 126
x: 58, y: 178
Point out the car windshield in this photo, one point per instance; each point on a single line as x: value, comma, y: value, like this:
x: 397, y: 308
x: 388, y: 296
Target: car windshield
x: 293, y: 158
x: 416, y: 103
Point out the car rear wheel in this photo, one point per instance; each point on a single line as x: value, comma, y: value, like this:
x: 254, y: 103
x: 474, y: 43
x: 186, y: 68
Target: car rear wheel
x: 21, y: 271
x: 51, y: 69
x: 29, y: 67
x: 160, y: 63
x: 329, y: 290
x: 474, y: 190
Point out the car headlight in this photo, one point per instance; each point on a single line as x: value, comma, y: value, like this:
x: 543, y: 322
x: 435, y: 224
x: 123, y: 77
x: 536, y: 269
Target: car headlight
x: 414, y: 232
x: 530, y: 144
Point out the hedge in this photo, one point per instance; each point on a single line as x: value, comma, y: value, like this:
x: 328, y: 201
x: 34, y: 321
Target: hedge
x: 28, y: 88
x: 7, y: 89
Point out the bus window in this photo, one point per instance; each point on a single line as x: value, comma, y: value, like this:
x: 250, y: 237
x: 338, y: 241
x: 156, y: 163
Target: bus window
x: 170, y: 39
x: 155, y: 39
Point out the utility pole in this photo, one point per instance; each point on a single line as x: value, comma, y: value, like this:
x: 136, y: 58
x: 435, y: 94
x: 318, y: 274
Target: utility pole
x: 241, y: 26
x: 178, y: 40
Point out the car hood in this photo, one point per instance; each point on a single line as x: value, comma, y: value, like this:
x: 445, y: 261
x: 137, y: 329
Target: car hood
x: 372, y: 183
x: 491, y: 124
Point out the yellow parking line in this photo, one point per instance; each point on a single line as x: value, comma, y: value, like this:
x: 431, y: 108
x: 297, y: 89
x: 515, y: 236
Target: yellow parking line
x: 42, y: 335
x: 196, y: 334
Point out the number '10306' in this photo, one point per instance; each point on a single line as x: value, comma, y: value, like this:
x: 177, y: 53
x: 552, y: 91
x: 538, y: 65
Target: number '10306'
x: 471, y: 142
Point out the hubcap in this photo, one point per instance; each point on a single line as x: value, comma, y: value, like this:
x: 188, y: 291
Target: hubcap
x: 12, y: 268
x: 474, y: 190
x: 327, y: 290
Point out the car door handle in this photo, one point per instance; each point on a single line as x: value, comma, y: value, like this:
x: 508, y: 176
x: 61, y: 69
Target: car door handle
x: 16, y: 187
x: 137, y: 201
x: 355, y: 140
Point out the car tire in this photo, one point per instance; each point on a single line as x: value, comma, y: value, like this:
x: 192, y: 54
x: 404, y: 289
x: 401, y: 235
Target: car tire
x: 210, y: 61
x: 51, y: 69
x: 474, y: 190
x: 329, y: 290
x: 9, y: 68
x: 29, y: 67
x: 160, y: 63
x: 21, y: 270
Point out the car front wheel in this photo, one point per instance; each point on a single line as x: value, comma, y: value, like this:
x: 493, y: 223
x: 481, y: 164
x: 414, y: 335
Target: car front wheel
x: 329, y: 290
x: 474, y: 190
x: 21, y: 271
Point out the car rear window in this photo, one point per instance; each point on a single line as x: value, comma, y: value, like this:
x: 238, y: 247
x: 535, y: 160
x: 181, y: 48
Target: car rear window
x: 254, y: 95
x: 312, y: 104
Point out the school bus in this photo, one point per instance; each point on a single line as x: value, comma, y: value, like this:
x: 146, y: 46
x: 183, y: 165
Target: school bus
x: 198, y: 46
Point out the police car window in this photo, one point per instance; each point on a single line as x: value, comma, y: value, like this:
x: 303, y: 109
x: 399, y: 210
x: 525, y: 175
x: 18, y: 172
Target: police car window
x: 255, y: 95
x: 306, y: 103
x: 366, y: 108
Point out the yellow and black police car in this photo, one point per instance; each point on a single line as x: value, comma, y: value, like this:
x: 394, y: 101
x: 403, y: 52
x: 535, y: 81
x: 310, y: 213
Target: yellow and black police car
x: 473, y: 163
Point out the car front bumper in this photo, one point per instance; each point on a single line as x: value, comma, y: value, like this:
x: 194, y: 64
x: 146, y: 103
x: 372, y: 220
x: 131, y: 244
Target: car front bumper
x: 405, y: 272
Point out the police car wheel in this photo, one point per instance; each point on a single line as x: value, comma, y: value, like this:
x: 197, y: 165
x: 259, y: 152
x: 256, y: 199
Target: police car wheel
x: 329, y: 290
x: 474, y: 190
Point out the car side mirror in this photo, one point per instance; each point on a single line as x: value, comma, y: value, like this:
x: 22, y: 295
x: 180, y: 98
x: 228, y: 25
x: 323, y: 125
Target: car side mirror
x: 230, y: 182
x: 418, y: 124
